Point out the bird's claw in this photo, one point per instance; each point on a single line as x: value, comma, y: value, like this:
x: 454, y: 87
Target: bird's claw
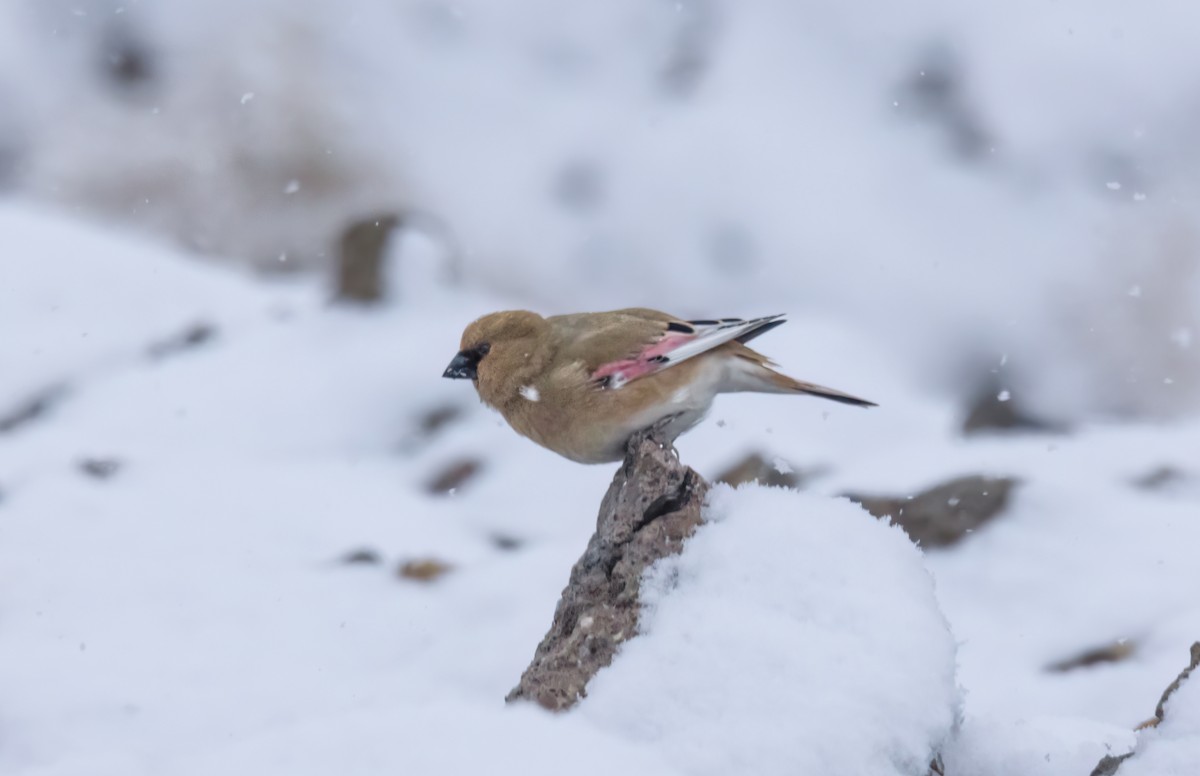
x: 657, y: 432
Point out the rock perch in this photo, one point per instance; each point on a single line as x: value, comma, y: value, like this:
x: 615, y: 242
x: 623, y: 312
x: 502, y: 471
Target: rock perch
x: 653, y: 505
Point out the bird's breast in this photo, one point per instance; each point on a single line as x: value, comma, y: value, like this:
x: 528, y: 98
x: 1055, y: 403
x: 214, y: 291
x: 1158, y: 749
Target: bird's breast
x: 589, y: 424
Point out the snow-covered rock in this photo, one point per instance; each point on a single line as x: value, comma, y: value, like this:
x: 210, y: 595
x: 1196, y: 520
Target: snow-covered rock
x: 794, y: 634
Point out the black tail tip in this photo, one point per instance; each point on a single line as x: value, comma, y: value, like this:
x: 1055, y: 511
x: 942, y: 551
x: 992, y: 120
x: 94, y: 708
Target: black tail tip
x: 841, y: 398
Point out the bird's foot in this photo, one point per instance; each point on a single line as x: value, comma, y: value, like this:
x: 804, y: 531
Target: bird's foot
x: 658, y: 432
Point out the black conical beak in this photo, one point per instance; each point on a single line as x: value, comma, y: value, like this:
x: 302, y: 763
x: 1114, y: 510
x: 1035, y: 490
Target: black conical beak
x: 463, y: 366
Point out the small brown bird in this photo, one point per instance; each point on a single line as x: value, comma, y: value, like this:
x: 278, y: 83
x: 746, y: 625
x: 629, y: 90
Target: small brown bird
x: 582, y: 384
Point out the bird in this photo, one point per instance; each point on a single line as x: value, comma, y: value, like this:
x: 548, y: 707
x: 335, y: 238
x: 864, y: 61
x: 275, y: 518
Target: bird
x: 582, y: 384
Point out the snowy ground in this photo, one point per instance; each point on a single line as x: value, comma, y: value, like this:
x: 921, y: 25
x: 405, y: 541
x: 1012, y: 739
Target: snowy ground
x: 190, y: 612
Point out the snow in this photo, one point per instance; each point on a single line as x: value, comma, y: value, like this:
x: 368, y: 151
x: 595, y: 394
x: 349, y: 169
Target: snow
x: 103, y: 309
x: 763, y: 650
x: 190, y: 612
x: 530, y: 393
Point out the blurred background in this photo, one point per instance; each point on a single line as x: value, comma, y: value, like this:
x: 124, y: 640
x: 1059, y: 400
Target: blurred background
x: 1004, y: 197
x: 245, y: 527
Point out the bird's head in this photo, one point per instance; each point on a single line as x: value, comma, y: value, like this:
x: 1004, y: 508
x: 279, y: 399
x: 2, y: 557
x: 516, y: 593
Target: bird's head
x: 497, y: 349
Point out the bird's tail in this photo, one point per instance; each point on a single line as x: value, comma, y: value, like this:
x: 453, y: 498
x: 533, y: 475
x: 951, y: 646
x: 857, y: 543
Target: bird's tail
x: 757, y: 375
x: 812, y: 389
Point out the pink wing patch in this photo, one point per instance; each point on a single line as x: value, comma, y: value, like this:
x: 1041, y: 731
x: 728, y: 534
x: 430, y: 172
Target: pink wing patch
x: 683, y: 340
x: 653, y: 358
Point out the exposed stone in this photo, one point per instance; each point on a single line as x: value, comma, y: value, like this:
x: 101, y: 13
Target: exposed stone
x: 1108, y: 653
x: 453, y: 476
x: 943, y: 514
x: 653, y: 505
x: 1169, y: 480
x: 1110, y: 763
x: 33, y: 408
x: 995, y: 409
x: 361, y: 253
x: 690, y: 52
x: 429, y: 424
x: 1158, y: 478
x: 1183, y: 675
x: 423, y: 569
x: 505, y: 542
x: 756, y: 468
x: 191, y: 337
x: 99, y: 468
x: 438, y: 418
x: 363, y: 556
x: 127, y: 59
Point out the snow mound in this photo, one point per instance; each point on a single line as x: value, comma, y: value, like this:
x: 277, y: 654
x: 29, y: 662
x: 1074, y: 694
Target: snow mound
x: 795, y: 634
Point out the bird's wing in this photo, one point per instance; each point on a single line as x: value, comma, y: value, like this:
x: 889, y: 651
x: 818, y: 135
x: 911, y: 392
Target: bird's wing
x: 624, y: 345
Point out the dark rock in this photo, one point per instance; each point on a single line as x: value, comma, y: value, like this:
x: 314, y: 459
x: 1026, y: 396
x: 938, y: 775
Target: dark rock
x: 990, y: 412
x: 689, y: 55
x: 431, y: 422
x: 438, y: 418
x: 1158, y: 478
x: 34, y: 408
x: 505, y: 542
x: 193, y: 336
x: 1109, y: 653
x: 944, y: 514
x: 1179, y: 680
x: 1168, y: 480
x: 99, y: 468
x: 361, y: 253
x: 453, y: 476
x: 364, y: 556
x: 423, y: 569
x: 653, y: 505
x: 126, y: 59
x: 756, y: 468
x: 938, y: 93
x: 1110, y: 763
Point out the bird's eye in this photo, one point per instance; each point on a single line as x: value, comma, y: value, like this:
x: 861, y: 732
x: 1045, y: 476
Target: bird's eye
x: 483, y: 349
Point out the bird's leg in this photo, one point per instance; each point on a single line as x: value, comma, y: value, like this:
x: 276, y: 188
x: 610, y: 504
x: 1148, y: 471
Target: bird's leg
x: 658, y: 432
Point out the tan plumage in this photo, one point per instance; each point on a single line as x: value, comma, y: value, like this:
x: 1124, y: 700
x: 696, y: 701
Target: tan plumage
x: 581, y: 384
